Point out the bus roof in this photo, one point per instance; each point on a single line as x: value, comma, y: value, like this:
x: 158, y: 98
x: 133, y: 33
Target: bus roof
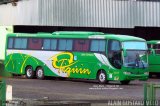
x: 154, y: 42
x: 123, y: 37
x: 76, y: 33
x: 79, y: 34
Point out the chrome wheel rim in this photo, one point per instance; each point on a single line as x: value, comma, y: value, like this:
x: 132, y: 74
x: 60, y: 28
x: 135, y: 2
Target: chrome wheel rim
x: 102, y: 77
x: 40, y: 73
x: 29, y: 72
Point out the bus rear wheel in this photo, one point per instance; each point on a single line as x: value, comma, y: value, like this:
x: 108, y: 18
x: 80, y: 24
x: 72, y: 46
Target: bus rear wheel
x: 40, y: 73
x: 29, y: 72
x: 102, y: 77
x: 126, y: 82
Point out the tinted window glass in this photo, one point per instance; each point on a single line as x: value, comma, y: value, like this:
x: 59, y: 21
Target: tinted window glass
x: 115, y: 45
x: 98, y: 45
x: 81, y: 45
x: 49, y: 44
x: 20, y: 43
x: 102, y: 46
x: 69, y: 45
x: 65, y: 44
x: 158, y: 46
x: 46, y: 44
x: 10, y: 43
x: 53, y: 44
x: 157, y: 49
x: 62, y: 44
x: 35, y: 43
x: 94, y: 45
x: 154, y: 46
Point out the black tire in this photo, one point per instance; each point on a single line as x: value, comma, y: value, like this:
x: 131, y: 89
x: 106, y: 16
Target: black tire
x: 29, y: 72
x: 40, y: 73
x: 102, y: 77
x: 158, y: 75
x: 126, y: 82
x: 62, y: 78
x: 150, y: 75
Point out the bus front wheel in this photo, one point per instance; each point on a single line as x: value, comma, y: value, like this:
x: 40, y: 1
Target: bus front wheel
x: 102, y: 78
x: 29, y: 72
x: 40, y: 73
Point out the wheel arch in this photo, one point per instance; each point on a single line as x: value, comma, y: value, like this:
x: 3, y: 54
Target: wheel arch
x: 25, y: 69
x: 38, y: 67
x: 100, y: 71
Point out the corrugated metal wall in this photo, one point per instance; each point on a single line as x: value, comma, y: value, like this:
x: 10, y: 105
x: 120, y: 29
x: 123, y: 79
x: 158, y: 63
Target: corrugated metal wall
x: 93, y: 13
x: 25, y: 13
x: 84, y: 13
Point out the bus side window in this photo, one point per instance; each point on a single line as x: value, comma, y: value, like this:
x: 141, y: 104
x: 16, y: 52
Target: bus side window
x: 10, y: 43
x: 49, y: 44
x: 35, y: 43
x: 53, y: 44
x: 157, y: 51
x: 65, y: 44
x: 97, y: 46
x: 46, y: 44
x: 20, y: 43
x: 81, y: 45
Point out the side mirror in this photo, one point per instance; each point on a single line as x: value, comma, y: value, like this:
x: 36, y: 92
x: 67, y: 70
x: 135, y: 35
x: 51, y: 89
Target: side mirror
x: 124, y: 52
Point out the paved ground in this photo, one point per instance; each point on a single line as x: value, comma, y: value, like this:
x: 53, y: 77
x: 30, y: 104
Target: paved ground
x: 68, y: 89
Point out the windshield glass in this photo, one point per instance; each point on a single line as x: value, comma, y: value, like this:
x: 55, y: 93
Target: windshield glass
x: 134, y: 45
x: 136, y: 54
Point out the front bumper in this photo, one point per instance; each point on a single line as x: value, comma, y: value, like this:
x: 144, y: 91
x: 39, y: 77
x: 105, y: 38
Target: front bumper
x: 142, y: 77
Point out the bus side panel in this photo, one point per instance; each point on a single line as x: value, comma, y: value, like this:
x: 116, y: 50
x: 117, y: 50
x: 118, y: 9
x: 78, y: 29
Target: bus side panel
x: 154, y: 63
x: 11, y: 64
x: 82, y: 65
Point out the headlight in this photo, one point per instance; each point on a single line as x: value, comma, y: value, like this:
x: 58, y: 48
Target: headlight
x: 146, y: 73
x: 127, y: 73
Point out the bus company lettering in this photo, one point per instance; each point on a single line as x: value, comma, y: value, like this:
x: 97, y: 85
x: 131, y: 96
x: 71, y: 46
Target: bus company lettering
x: 64, y: 62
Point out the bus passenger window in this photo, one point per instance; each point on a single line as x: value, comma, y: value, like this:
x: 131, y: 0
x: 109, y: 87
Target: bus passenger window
x: 53, y: 44
x: 81, y: 45
x: 157, y: 51
x: 10, y: 43
x: 98, y: 45
x: 49, y: 44
x: 35, y: 43
x: 65, y: 44
x: 20, y: 43
x: 46, y: 44
x: 114, y: 53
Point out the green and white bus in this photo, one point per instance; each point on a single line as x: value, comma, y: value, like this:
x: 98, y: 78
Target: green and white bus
x: 154, y: 57
x: 83, y: 55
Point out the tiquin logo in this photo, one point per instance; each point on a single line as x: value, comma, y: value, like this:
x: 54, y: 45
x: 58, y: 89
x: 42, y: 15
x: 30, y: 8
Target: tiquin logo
x: 64, y: 62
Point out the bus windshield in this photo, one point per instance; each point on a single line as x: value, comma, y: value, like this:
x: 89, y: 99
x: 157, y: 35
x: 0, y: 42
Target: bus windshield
x: 136, y: 54
x: 135, y: 45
